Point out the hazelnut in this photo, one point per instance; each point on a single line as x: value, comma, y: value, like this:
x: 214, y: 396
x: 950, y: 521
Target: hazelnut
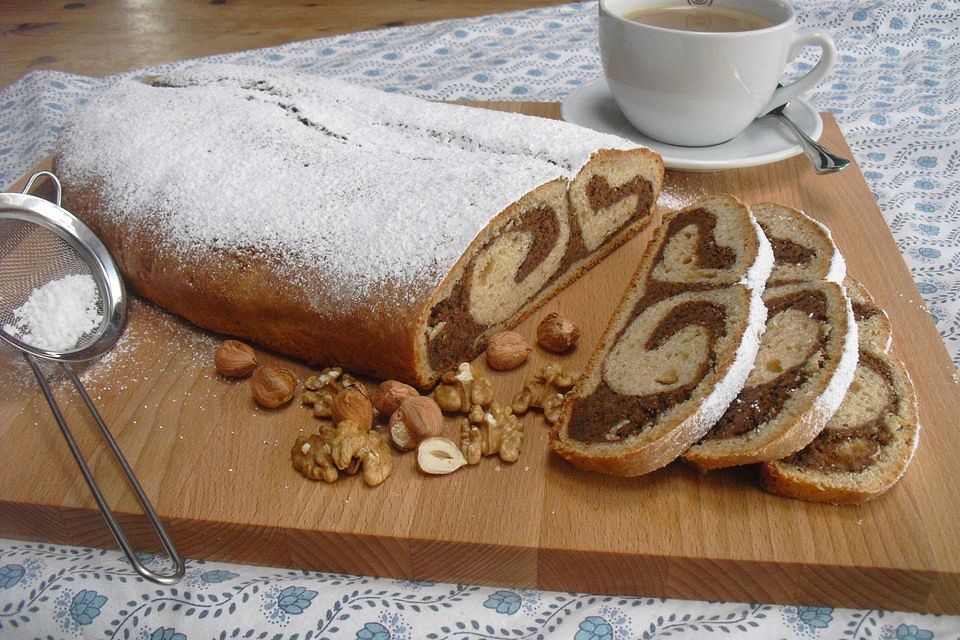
x: 556, y: 333
x: 390, y: 394
x: 507, y: 350
x: 352, y: 404
x: 272, y: 387
x: 235, y: 359
x: 416, y: 419
x: 439, y: 456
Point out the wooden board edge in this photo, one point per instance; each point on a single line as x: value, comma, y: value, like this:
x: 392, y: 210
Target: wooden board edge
x: 507, y: 566
x: 750, y: 581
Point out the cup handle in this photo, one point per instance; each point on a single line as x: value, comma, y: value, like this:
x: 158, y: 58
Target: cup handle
x: 816, y: 37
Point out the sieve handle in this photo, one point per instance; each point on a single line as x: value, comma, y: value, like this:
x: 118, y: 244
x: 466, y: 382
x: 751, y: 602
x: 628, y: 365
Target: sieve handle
x: 41, y: 174
x: 179, y: 567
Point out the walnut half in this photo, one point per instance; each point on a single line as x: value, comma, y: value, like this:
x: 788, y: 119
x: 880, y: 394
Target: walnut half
x: 496, y: 431
x: 462, y: 388
x: 546, y: 391
x: 323, y: 388
x: 355, y: 447
x: 311, y: 457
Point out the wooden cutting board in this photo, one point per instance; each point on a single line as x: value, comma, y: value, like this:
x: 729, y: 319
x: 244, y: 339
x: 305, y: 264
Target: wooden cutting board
x: 218, y: 469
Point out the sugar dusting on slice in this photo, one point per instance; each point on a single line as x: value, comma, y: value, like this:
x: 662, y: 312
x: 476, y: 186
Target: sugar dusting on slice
x: 375, y: 191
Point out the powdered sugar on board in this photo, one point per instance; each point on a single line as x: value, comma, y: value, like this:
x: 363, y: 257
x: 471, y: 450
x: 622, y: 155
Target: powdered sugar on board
x: 57, y: 314
x: 150, y: 334
x: 370, y: 189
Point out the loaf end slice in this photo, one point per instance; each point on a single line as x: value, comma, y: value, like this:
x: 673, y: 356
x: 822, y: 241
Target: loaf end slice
x: 806, y: 361
x: 867, y: 445
x: 803, y: 248
x: 532, y: 251
x: 678, y: 348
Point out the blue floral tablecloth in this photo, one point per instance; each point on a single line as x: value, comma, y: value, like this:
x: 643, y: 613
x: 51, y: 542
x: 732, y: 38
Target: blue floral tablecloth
x: 66, y: 592
x: 895, y: 92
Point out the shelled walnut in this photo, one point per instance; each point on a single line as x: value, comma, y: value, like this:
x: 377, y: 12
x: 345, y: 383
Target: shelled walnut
x: 357, y: 447
x: 323, y: 388
x: 311, y: 457
x: 461, y: 389
x: 545, y: 391
x: 496, y: 431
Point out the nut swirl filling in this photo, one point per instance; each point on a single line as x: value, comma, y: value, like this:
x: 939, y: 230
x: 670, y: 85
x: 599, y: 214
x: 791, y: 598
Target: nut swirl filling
x: 786, y: 251
x: 691, y: 326
x: 790, y: 353
x: 533, y: 251
x: 858, y: 432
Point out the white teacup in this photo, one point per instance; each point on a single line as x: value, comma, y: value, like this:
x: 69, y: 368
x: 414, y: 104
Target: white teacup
x: 696, y: 88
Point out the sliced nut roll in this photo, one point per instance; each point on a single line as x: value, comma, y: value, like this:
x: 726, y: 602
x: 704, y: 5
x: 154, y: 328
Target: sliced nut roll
x: 803, y: 248
x: 805, y: 363
x: 867, y: 445
x: 873, y: 323
x: 679, y: 347
x: 343, y: 225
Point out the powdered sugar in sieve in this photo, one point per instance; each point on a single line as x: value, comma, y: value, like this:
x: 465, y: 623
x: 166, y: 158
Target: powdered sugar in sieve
x: 58, y: 314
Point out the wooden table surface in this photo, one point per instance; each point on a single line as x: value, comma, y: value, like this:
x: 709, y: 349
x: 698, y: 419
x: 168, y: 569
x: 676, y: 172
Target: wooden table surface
x: 101, y: 37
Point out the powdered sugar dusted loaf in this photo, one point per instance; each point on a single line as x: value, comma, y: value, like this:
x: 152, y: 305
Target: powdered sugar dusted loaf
x: 324, y: 219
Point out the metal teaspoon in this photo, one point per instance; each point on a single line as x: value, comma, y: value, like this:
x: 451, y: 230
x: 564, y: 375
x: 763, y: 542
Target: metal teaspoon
x: 823, y: 161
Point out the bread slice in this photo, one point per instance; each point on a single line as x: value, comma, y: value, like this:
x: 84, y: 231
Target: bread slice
x: 678, y: 348
x: 803, y: 249
x: 806, y: 362
x: 867, y: 445
x: 342, y: 225
x: 873, y: 323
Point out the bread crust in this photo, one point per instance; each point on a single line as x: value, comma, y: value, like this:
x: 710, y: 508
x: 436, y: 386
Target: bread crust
x: 877, y: 330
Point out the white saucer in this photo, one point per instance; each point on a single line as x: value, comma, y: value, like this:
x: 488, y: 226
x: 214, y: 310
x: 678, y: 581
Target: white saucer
x: 765, y: 140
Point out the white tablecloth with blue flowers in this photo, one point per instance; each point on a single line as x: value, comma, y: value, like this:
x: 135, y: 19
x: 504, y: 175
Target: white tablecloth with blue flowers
x: 895, y: 92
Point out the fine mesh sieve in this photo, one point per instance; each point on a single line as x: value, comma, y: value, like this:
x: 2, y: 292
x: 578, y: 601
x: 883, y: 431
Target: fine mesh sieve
x: 41, y: 243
